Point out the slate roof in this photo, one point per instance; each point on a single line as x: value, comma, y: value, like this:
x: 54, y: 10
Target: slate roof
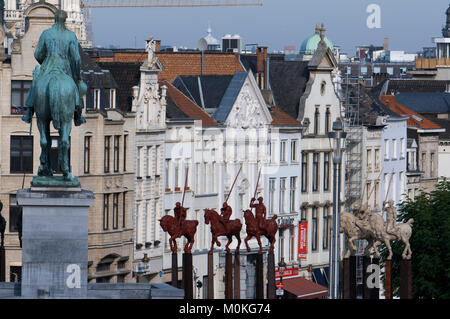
x: 425, y: 102
x: 444, y: 123
x: 179, y: 106
x: 126, y: 75
x: 206, y: 91
x: 230, y: 96
x: 417, y: 86
x: 288, y: 81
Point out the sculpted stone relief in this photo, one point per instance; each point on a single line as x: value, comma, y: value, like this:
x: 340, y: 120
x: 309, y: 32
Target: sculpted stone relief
x: 247, y: 112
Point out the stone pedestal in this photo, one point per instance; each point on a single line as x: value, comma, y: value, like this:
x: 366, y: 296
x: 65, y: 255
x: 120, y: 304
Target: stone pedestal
x: 228, y: 276
x: 55, y: 242
x: 187, y: 276
x: 174, y: 274
x: 259, y: 277
x: 405, y: 279
x: 349, y: 278
x: 271, y: 276
x: 388, y: 279
x: 210, y: 276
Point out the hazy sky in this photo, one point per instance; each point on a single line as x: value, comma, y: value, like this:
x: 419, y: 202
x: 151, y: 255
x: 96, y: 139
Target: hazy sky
x: 409, y: 24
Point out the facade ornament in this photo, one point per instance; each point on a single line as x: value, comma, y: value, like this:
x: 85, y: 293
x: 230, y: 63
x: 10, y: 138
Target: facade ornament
x: 151, y: 48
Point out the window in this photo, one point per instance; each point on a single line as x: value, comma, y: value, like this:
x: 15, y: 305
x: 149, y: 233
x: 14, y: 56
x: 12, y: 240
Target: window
x: 423, y: 161
x: 115, y: 210
x: 327, y: 120
x: 304, y: 172
x: 291, y: 245
x: 377, y: 70
x: 21, y: 154
x: 402, y: 148
x: 293, y: 189
x: 107, y: 155
x: 431, y: 164
x: 323, y: 87
x: 377, y: 158
x: 303, y: 214
x: 390, y: 70
x: 272, y: 151
x: 105, y: 211
x: 167, y: 168
x: 315, y: 181
x: 116, y: 153
x: 125, y: 138
x: 177, y: 174
x: 87, y: 154
x: 112, y: 98
x: 294, y: 149
x: 349, y: 70
x: 326, y: 171
x: 282, y: 195
x: 97, y: 99
x: 394, y: 148
x: 272, y: 182
x: 19, y: 94
x: 375, y: 194
x: 369, y: 159
x: 281, y: 244
x: 326, y: 227
x: 364, y: 70
x: 15, y: 214
x: 124, y: 209
x: 157, y: 157
x: 386, y: 149
x: 314, y: 229
x: 283, y: 151
x: 316, y: 121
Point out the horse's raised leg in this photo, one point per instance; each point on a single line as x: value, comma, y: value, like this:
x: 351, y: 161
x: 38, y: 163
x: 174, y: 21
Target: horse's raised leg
x: 239, y: 243
x: 63, y: 159
x: 213, y: 240
x: 246, y: 242
x: 258, y: 238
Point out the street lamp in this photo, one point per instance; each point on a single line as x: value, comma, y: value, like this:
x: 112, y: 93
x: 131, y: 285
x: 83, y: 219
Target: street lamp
x: 338, y: 136
x: 281, y: 266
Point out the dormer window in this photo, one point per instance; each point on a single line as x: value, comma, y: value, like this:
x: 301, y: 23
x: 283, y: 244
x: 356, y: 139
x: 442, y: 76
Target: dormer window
x: 322, y: 88
x: 96, y: 99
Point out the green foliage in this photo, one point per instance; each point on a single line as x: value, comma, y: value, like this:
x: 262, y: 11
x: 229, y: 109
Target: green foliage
x: 430, y: 244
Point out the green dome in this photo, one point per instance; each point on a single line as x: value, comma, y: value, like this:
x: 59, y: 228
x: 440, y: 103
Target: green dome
x: 309, y: 46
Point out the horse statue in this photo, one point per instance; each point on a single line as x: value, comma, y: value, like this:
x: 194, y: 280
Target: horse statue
x: 188, y: 229
x: 375, y: 234
x: 218, y: 229
x: 253, y: 230
x: 56, y: 93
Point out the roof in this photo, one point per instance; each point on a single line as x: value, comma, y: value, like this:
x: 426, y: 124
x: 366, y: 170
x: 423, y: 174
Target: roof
x: 444, y: 123
x: 414, y: 118
x: 176, y: 63
x: 126, y: 75
x: 310, y: 44
x: 425, y: 102
x: 288, y: 81
x: 230, y: 96
x: 304, y: 288
x: 279, y: 117
x: 206, y: 91
x: 180, y: 106
x: 417, y: 86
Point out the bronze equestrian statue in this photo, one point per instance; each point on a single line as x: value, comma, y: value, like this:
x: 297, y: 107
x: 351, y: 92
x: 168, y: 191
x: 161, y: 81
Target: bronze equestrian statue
x: 233, y: 228
x: 56, y: 93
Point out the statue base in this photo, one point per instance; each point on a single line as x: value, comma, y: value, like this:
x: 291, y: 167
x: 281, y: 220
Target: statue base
x: 55, y: 243
x: 56, y: 183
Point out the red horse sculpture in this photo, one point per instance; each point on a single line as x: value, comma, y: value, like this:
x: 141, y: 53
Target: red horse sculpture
x: 269, y: 230
x: 188, y: 228
x: 217, y: 229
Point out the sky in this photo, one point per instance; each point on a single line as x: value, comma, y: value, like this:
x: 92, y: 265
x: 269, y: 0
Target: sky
x: 409, y: 24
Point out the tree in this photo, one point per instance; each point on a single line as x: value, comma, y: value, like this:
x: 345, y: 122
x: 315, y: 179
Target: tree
x: 430, y: 244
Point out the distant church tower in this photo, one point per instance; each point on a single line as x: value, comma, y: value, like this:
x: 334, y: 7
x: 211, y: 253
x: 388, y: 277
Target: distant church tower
x: 14, y: 17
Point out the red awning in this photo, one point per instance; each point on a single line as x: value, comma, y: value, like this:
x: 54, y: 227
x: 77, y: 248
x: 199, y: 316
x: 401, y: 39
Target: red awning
x: 304, y: 288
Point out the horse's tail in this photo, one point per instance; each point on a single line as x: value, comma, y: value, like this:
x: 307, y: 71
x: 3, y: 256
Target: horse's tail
x: 410, y: 222
x: 54, y: 95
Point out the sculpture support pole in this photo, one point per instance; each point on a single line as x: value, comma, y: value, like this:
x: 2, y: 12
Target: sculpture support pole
x: 259, y: 277
x: 349, y: 281
x: 271, y: 276
x: 228, y: 276
x: 174, y: 270
x: 405, y: 279
x: 2, y: 264
x: 210, y: 276
x: 388, y: 279
x: 237, y: 276
x: 187, y: 276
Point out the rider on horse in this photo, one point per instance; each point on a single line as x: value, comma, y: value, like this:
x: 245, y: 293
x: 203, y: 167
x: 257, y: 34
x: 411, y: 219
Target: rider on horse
x: 180, y: 215
x: 55, y: 59
x: 225, y: 213
x: 362, y: 213
x: 260, y: 211
x: 391, y: 217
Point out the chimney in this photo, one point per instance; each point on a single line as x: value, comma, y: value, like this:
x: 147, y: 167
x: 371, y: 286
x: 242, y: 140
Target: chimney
x: 157, y: 45
x: 386, y: 44
x: 261, y: 67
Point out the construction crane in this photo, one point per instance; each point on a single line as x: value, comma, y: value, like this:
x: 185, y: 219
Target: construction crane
x: 87, y: 5
x: 166, y: 3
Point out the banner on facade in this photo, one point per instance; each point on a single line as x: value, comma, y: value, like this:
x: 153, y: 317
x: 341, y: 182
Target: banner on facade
x: 288, y: 272
x: 302, y: 240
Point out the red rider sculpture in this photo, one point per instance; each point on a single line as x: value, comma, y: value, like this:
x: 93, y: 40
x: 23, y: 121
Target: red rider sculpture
x: 260, y: 211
